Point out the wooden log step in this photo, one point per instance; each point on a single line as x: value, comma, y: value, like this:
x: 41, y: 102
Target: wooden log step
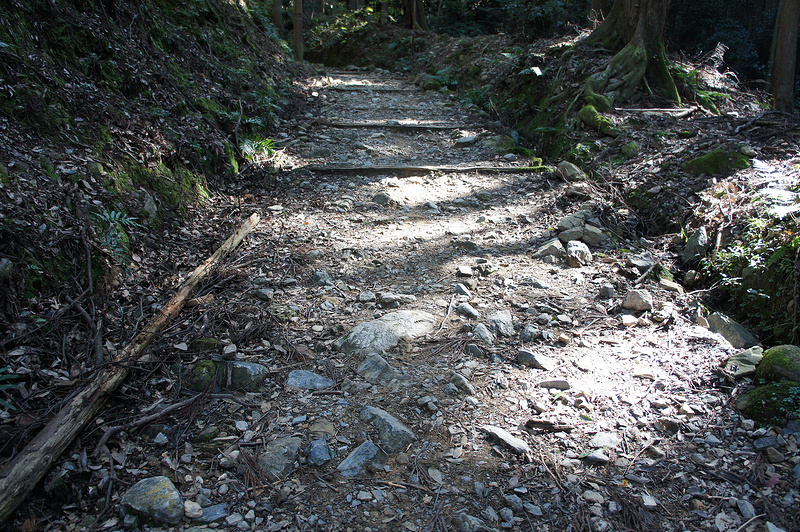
x: 407, y: 170
x: 390, y: 124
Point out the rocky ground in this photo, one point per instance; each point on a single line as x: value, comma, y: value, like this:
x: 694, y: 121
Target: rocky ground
x: 400, y: 347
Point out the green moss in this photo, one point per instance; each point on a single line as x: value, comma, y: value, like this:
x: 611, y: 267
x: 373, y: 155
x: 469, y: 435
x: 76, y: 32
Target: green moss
x: 773, y: 403
x: 716, y: 162
x: 206, y: 345
x: 202, y: 375
x: 589, y: 116
x: 579, y: 154
x: 630, y: 150
x: 781, y: 362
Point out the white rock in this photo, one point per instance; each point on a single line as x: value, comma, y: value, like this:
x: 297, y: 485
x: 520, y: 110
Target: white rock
x: 192, y: 510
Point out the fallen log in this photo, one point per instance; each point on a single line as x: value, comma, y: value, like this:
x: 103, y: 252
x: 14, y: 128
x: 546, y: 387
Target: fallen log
x: 387, y: 124
x: 422, y: 170
x: 21, y: 474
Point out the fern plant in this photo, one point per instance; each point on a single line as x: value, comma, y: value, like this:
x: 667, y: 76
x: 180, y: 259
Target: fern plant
x: 256, y: 147
x: 5, y: 385
x: 112, y: 232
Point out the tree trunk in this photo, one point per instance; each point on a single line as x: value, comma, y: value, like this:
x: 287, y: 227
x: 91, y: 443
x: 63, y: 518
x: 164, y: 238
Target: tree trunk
x: 599, y: 9
x: 636, y: 28
x: 784, y: 43
x: 414, y: 15
x: 277, y: 14
x: 297, y: 9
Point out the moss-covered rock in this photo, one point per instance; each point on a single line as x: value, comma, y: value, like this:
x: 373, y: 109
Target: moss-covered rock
x: 630, y: 150
x: 202, y: 375
x: 771, y: 403
x: 780, y: 363
x: 717, y: 162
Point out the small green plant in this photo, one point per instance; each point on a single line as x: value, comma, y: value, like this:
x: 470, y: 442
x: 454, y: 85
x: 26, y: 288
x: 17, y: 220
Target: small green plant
x: 113, y: 234
x: 257, y: 147
x: 5, y: 385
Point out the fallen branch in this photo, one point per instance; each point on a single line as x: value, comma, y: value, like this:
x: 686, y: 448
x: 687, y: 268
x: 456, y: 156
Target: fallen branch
x: 25, y: 470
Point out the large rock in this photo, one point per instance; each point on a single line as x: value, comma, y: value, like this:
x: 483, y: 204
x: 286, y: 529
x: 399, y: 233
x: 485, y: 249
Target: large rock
x: 773, y: 403
x: 737, y: 335
x: 532, y: 359
x: 154, y: 499
x: 550, y: 248
x: 378, y: 336
x: 781, y: 362
x: 394, y: 436
x: 278, y: 457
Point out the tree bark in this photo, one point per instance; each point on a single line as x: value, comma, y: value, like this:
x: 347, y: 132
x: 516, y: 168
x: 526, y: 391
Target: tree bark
x: 414, y: 15
x: 25, y: 470
x: 277, y: 14
x: 784, y: 67
x: 297, y: 10
x: 636, y: 29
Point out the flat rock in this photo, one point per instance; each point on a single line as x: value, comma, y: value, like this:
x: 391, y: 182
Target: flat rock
x: 156, y: 499
x: 501, y: 323
x: 607, y: 440
x: 375, y: 369
x: 278, y: 457
x: 301, y: 379
x: 573, y: 233
x: 361, y: 456
x: 532, y: 359
x: 378, y: 336
x: 212, y: 514
x: 744, y: 362
x: 394, y: 436
x: 551, y: 248
x: 517, y: 445
x: 557, y: 384
x: 733, y: 332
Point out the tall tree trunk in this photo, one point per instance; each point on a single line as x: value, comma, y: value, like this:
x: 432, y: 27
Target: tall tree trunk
x: 277, y: 14
x: 636, y: 28
x: 784, y: 44
x: 297, y: 9
x: 599, y: 9
x: 414, y: 15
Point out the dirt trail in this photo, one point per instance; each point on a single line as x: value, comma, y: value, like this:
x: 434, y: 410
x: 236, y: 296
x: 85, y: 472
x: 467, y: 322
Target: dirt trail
x: 628, y: 428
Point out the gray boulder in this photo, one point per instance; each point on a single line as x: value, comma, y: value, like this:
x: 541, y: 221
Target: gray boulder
x: 380, y: 335
x: 302, y: 379
x: 737, y: 335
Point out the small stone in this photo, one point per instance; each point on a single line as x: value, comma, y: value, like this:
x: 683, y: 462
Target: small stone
x: 593, y: 497
x: 535, y: 360
x: 628, y: 320
x: 578, y: 254
x: 606, y: 291
x: 192, y: 510
x: 774, y: 455
x: 638, y: 300
x: 154, y: 498
x: 301, y: 379
x: 557, y: 384
x: 551, y: 248
x: 569, y: 172
x: 462, y: 383
x: 464, y: 271
x: 598, y: 457
x: 532, y: 509
x: 648, y: 501
x: 605, y: 439
x: 483, y: 333
x: 515, y: 444
x: 358, y: 459
x: 745, y: 508
x: 507, y: 515
x: 761, y: 444
x: 468, y: 311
